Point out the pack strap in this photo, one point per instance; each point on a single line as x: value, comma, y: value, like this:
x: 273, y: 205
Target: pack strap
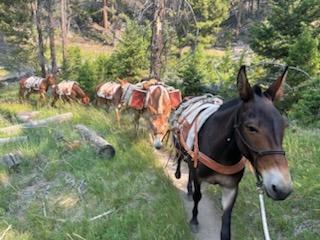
x: 197, y: 156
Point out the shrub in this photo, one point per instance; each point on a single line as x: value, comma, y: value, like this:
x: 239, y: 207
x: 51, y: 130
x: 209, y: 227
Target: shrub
x: 304, y: 54
x: 72, y: 65
x: 307, y: 109
x: 193, y: 73
x: 87, y: 76
x: 130, y: 58
x: 75, y: 69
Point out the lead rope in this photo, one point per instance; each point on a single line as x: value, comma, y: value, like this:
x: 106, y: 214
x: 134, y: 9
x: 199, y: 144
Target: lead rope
x: 263, y: 213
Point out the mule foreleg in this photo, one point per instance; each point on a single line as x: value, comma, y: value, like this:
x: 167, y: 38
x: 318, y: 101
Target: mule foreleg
x: 118, y: 116
x: 136, y: 121
x: 27, y: 96
x: 189, y: 185
x: 229, y: 196
x: 179, y: 158
x: 55, y: 99
x: 194, y: 224
x: 42, y: 97
x: 21, y: 94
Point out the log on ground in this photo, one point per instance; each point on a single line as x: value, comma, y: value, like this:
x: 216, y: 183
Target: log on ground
x: 13, y: 139
x: 38, y: 123
x: 101, y: 145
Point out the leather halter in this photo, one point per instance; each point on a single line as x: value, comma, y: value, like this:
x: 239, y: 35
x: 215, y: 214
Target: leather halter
x: 258, y: 153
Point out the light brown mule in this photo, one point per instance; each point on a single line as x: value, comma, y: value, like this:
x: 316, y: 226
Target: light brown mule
x: 156, y: 111
x: 115, y: 95
x: 43, y: 87
x: 76, y: 94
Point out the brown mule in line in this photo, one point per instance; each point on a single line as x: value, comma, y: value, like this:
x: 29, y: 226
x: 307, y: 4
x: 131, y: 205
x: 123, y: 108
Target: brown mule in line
x: 69, y: 91
x: 154, y: 102
x: 111, y: 94
x: 34, y: 84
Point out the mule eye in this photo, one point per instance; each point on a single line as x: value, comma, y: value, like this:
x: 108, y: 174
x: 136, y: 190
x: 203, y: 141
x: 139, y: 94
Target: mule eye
x: 252, y: 129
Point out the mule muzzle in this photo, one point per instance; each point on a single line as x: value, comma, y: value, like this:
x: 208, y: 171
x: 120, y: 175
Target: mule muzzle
x: 157, y: 143
x: 277, y: 185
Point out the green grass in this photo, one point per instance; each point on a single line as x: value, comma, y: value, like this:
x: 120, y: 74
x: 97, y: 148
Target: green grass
x: 56, y: 192
x: 298, y: 217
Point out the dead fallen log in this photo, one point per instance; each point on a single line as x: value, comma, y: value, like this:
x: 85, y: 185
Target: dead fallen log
x: 38, y: 123
x: 13, y: 139
x: 12, y: 160
x: 27, y: 116
x: 101, y: 145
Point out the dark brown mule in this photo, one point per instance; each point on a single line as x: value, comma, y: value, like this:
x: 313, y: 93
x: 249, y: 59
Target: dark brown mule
x: 75, y: 94
x: 249, y: 126
x: 115, y: 99
x: 43, y: 87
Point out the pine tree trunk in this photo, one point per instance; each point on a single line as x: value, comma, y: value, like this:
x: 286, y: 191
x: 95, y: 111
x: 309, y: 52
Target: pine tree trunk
x: 51, y: 38
x: 239, y: 17
x: 105, y: 15
x: 37, y: 14
x: 157, y: 38
x: 63, y: 8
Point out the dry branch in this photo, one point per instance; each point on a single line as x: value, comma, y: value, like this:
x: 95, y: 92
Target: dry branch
x: 13, y: 139
x: 35, y: 124
x: 101, y: 215
x: 102, y: 146
x: 5, y: 232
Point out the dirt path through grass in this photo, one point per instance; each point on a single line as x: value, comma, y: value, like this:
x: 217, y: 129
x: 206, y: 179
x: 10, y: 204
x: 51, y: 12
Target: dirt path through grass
x: 209, y: 215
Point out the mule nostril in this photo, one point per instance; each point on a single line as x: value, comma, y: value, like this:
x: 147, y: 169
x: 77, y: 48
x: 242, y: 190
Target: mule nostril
x: 274, y: 188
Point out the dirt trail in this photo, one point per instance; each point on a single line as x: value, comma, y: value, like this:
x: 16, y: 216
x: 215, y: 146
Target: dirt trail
x: 209, y: 216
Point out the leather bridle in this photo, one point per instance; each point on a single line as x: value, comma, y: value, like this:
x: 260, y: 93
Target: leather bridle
x: 256, y: 153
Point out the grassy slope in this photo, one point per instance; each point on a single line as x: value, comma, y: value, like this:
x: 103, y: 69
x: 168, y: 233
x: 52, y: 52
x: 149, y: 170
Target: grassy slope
x: 298, y: 217
x: 56, y: 192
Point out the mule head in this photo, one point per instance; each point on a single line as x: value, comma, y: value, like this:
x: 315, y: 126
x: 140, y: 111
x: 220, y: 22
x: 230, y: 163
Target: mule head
x: 85, y: 100
x: 260, y: 130
x: 158, y: 106
x: 50, y: 78
x: 123, y: 82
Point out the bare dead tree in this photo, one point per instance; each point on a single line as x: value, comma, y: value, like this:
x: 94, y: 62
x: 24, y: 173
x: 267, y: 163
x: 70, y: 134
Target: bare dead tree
x: 36, y: 8
x: 105, y: 15
x: 239, y: 17
x: 63, y: 9
x: 50, y: 4
x: 157, y: 38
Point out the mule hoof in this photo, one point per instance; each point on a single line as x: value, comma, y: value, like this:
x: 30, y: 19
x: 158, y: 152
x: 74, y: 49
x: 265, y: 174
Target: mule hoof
x: 194, y: 227
x: 177, y: 174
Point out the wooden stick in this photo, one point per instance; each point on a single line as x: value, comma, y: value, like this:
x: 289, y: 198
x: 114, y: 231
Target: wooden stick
x: 13, y: 139
x: 38, y: 123
x: 5, y: 232
x: 101, y: 215
x: 102, y: 146
x: 77, y: 235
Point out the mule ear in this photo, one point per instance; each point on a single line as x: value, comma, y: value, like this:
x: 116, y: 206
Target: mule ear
x: 275, y: 91
x: 243, y: 85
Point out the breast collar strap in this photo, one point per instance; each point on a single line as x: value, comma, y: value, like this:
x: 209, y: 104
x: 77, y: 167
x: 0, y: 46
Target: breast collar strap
x: 198, y: 156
